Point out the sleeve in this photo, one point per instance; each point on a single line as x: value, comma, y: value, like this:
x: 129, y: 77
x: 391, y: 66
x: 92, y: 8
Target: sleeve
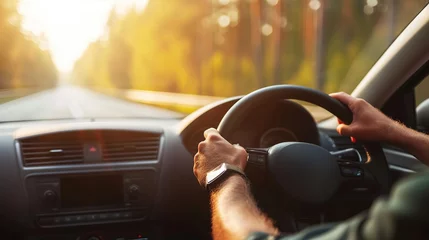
x: 404, y: 216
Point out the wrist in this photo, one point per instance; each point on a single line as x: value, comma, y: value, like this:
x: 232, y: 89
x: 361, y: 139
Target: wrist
x: 233, y: 181
x: 396, y: 133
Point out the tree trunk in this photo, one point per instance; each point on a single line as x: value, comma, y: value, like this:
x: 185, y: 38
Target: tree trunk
x: 256, y: 39
x: 319, y: 68
x: 277, y: 28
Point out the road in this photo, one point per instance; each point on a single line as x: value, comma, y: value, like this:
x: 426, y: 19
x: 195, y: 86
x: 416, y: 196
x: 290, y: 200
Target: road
x: 74, y: 102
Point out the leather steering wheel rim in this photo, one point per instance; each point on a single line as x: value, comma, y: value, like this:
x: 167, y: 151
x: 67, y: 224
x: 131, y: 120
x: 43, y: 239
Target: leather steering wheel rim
x: 376, y: 163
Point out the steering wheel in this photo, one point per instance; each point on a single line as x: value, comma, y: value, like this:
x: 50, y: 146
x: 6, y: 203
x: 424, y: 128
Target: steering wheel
x: 307, y: 172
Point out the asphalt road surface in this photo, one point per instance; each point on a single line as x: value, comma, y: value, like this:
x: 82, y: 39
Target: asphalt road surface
x: 79, y: 103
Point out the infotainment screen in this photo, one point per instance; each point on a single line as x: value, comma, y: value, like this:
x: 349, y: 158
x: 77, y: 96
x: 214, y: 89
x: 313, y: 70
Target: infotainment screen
x: 91, y: 191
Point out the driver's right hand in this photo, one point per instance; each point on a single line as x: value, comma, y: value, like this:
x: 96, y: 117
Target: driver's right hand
x: 369, y: 124
x: 215, y: 150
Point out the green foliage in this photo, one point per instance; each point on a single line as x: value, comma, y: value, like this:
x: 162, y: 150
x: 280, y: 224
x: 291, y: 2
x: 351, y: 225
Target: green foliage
x: 180, y: 46
x: 23, y: 64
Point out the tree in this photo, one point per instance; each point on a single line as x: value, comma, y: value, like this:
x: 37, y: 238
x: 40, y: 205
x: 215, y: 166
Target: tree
x: 23, y: 64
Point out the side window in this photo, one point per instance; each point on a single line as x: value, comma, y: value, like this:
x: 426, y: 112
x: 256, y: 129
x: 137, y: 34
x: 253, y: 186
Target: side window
x: 421, y: 94
x: 422, y: 91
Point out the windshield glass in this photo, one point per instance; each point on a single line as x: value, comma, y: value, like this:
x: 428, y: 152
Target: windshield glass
x: 167, y: 58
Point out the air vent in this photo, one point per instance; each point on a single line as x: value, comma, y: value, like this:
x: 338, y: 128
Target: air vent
x: 49, y: 150
x: 130, y: 146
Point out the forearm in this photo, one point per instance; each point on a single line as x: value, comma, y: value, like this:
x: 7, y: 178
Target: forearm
x: 234, y: 212
x: 410, y: 140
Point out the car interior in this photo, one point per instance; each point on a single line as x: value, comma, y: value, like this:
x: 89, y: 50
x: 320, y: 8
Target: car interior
x: 135, y: 175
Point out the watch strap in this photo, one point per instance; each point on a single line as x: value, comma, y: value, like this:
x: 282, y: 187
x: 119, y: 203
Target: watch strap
x: 221, y: 173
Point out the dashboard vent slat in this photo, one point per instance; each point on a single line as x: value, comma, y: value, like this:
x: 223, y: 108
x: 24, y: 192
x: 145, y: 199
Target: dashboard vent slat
x: 132, y: 158
x: 131, y: 147
x: 125, y: 154
x: 41, y: 151
x: 54, y: 163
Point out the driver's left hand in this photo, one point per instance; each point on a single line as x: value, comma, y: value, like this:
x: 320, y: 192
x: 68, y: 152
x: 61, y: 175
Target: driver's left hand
x: 215, y: 150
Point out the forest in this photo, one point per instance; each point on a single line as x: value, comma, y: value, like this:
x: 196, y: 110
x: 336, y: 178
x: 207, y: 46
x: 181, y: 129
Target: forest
x: 230, y: 47
x: 23, y: 63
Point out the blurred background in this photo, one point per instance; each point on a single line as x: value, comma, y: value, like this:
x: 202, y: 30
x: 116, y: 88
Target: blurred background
x: 212, y: 48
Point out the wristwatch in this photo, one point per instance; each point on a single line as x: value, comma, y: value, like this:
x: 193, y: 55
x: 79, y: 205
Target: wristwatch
x: 220, y: 174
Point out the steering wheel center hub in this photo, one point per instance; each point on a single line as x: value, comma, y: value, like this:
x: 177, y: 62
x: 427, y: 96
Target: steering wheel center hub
x: 306, y: 172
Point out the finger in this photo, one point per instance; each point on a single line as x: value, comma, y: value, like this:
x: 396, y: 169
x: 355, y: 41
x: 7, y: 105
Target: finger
x: 343, y: 97
x: 196, y: 158
x: 344, y: 130
x: 201, y: 146
x: 242, y: 153
x: 237, y: 146
x: 210, y: 131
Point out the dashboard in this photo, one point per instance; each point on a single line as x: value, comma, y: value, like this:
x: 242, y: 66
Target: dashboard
x: 127, y: 179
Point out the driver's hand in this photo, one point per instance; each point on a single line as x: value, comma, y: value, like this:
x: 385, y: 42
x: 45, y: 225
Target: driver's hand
x: 368, y: 122
x: 215, y: 150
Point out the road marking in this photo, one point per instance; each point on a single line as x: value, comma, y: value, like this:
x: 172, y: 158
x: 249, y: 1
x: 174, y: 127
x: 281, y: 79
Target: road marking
x: 75, y: 110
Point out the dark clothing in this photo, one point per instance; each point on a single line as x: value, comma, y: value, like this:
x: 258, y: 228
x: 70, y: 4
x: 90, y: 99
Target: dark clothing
x: 404, y: 216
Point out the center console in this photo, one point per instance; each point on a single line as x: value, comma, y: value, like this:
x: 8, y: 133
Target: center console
x: 86, y: 199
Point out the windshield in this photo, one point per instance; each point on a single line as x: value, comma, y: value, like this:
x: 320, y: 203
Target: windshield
x: 167, y: 58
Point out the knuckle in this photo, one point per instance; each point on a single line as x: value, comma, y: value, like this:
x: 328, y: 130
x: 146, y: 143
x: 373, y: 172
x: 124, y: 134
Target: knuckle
x: 196, y: 158
x: 242, y: 152
x: 201, y: 146
x: 212, y: 137
x: 360, y: 102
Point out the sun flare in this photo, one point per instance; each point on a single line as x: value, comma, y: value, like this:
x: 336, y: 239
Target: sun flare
x: 66, y: 27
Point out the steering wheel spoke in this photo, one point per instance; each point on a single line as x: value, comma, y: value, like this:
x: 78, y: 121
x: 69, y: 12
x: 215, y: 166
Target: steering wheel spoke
x: 348, y: 155
x: 356, y: 176
x: 257, y: 156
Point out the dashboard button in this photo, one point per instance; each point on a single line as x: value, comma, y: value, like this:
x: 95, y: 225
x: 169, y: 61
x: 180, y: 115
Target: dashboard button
x: 79, y: 218
x: 66, y: 219
x: 91, y: 217
x: 57, y: 220
x: 103, y: 216
x: 126, y: 215
x: 114, y: 216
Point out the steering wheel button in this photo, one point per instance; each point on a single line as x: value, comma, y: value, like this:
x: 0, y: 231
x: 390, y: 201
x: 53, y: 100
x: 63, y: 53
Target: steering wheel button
x: 358, y: 172
x: 351, y: 172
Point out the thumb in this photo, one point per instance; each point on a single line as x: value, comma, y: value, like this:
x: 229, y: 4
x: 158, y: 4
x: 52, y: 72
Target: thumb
x: 344, y: 130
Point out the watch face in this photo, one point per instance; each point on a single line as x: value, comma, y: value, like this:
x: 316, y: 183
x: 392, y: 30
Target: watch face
x: 215, y: 173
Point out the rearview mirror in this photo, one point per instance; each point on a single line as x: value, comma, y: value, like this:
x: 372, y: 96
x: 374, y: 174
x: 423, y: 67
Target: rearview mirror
x: 423, y: 116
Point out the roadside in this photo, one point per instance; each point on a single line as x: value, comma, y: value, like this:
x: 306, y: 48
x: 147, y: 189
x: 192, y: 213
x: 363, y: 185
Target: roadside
x: 7, y: 95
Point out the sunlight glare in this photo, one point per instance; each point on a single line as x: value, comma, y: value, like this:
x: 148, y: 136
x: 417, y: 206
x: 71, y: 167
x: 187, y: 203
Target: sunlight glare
x: 70, y: 25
